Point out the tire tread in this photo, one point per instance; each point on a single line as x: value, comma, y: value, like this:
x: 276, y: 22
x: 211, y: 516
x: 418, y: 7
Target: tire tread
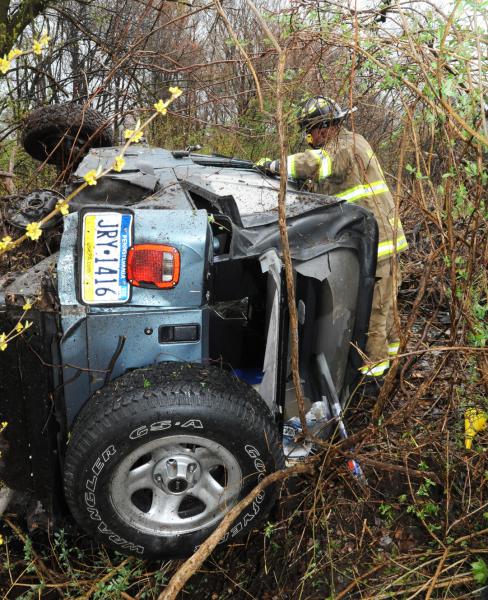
x: 172, y: 385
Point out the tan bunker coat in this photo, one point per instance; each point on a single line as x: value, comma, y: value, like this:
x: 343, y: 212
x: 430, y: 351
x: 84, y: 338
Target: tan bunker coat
x: 347, y: 168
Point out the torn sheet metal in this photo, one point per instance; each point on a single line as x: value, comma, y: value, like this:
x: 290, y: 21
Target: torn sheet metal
x: 255, y: 198
x: 139, y: 168
x: 318, y: 268
x: 311, y: 234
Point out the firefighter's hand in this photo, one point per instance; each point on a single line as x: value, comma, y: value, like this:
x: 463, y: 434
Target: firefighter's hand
x: 263, y: 165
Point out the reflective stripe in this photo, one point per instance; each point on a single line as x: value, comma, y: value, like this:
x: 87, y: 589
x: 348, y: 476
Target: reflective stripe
x: 377, y: 370
x: 388, y: 247
x: 325, y: 168
x: 274, y: 166
x: 291, y: 167
x: 363, y: 191
x: 393, y: 348
x: 323, y: 158
x: 352, y: 194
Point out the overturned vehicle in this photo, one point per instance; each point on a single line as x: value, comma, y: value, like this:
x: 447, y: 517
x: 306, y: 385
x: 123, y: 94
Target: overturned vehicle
x: 149, y: 395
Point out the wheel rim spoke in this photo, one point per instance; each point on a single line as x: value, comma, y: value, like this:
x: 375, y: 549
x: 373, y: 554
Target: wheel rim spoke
x: 172, y: 449
x: 210, y: 492
x: 207, y: 459
x: 165, y: 506
x: 140, y: 478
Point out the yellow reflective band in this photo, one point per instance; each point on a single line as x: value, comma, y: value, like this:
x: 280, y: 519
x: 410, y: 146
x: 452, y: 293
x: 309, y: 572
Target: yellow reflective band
x: 291, y: 167
x: 363, y: 191
x: 325, y: 166
x: 393, y: 348
x: 325, y: 163
x: 388, y: 247
x: 352, y: 194
x: 377, y: 370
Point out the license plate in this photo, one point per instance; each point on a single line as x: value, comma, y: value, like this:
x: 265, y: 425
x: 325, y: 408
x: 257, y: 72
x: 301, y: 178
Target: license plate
x: 106, y: 238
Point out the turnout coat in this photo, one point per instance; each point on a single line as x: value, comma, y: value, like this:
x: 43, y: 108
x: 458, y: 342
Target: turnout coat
x: 347, y: 168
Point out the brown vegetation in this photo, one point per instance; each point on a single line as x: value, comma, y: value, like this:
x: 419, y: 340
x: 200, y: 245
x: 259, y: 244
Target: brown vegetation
x: 417, y: 74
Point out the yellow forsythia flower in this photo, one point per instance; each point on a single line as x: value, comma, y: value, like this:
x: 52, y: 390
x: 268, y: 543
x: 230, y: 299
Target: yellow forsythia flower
x: 39, y: 45
x: 14, y: 53
x: 3, y: 426
x: 91, y: 177
x: 27, y: 306
x: 175, y: 92
x: 1, y: 539
x: 19, y: 327
x: 63, y: 207
x: 33, y: 231
x: 3, y: 344
x: 4, y: 65
x: 27, y: 324
x: 134, y: 135
x: 5, y: 243
x: 160, y: 107
x: 118, y: 164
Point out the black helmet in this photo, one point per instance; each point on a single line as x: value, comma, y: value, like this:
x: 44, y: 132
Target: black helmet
x: 321, y: 110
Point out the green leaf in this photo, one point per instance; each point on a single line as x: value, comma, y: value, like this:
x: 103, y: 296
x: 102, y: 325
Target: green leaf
x: 448, y: 88
x: 480, y: 571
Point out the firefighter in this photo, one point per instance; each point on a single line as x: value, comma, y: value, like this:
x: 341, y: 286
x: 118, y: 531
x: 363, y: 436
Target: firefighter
x: 342, y: 164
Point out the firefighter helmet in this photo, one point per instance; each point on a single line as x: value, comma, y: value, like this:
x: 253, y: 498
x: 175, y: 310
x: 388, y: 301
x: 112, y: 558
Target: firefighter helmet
x: 321, y: 111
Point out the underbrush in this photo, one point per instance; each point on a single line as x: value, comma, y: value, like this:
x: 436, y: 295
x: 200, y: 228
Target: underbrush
x: 416, y: 530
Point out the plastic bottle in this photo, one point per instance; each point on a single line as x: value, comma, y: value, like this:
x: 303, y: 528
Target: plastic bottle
x: 294, y: 450
x: 317, y: 412
x: 298, y: 450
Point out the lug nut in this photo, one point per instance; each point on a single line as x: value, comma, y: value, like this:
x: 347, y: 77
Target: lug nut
x: 172, y: 466
x: 190, y: 473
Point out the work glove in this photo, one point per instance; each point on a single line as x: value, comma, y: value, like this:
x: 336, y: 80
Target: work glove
x: 263, y: 165
x: 475, y: 420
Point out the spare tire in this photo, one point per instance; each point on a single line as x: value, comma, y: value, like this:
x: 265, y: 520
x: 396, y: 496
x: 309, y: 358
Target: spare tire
x: 158, y: 457
x: 62, y: 134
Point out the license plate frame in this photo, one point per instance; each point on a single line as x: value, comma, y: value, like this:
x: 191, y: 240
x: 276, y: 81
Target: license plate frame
x: 104, y: 238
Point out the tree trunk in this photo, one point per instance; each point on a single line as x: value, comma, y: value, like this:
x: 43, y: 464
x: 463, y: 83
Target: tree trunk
x: 13, y: 20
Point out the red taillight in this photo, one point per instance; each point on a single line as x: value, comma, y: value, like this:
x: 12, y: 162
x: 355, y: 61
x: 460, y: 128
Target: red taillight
x: 153, y: 265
